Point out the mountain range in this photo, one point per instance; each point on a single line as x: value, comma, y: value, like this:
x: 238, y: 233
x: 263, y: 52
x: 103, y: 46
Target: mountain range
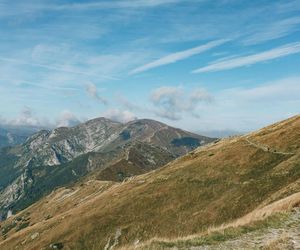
x: 216, y: 196
x: 14, y: 135
x: 109, y: 150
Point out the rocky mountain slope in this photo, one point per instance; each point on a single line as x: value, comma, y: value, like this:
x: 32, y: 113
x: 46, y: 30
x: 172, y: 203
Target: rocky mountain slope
x: 223, y: 182
x: 107, y: 149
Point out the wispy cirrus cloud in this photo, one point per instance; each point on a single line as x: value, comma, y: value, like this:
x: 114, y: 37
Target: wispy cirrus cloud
x: 48, y: 87
x: 273, y: 31
x: 280, y: 91
x: 36, y: 6
x: 60, y: 68
x: 289, y: 49
x: 118, y: 4
x: 178, y: 56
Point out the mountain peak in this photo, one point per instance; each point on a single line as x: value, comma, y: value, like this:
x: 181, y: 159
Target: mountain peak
x: 229, y: 180
x: 57, y: 157
x: 100, y: 120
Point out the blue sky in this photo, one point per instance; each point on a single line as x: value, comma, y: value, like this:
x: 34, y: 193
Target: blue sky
x: 200, y: 65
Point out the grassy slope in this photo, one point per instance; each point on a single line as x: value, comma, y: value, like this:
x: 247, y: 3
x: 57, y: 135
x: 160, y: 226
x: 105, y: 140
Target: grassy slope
x: 279, y: 214
x: 277, y: 232
x: 210, y: 186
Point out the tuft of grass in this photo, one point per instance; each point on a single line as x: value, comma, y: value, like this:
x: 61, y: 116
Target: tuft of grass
x: 7, y: 228
x: 22, y: 226
x: 278, y: 244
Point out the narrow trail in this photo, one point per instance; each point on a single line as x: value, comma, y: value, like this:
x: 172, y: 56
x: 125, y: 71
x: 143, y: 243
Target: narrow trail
x: 267, y: 148
x: 285, y: 237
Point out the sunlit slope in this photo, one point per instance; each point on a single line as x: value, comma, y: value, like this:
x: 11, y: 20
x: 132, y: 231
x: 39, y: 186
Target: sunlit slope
x: 210, y: 186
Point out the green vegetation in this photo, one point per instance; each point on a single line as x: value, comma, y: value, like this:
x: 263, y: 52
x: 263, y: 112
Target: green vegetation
x: 8, y: 227
x: 22, y: 226
x: 7, y: 171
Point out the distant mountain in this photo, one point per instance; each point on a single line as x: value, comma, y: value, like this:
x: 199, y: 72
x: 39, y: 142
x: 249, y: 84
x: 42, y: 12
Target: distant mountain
x: 231, y: 183
x: 14, y: 135
x: 106, y: 149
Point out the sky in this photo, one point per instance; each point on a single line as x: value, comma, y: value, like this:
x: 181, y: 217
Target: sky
x: 200, y: 65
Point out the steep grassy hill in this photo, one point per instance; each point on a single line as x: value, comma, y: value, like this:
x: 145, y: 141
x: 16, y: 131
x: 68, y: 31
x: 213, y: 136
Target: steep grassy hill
x: 212, y: 185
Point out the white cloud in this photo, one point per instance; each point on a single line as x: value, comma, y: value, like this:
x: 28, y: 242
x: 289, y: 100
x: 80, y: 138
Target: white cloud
x: 237, y: 62
x: 169, y: 102
x: 172, y: 92
x: 246, y: 108
x: 288, y: 6
x: 125, y: 103
x: 283, y: 90
x: 199, y: 95
x: 92, y: 91
x: 61, y: 68
x: 273, y: 30
x: 172, y: 102
x: 249, y: 108
x: 116, y: 4
x: 178, y: 56
x: 119, y: 115
x: 32, y: 7
x: 55, y: 88
x: 2, y: 120
x: 26, y: 117
x: 67, y: 119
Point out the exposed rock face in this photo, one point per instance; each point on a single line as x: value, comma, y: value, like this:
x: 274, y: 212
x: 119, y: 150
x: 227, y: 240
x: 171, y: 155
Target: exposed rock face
x: 110, y: 150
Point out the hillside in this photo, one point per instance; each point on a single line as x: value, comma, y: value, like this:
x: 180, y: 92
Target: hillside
x: 274, y: 226
x: 210, y: 186
x: 100, y: 147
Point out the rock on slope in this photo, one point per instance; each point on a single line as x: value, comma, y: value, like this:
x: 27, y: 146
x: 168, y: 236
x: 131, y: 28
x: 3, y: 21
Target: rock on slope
x: 110, y: 150
x: 212, y: 185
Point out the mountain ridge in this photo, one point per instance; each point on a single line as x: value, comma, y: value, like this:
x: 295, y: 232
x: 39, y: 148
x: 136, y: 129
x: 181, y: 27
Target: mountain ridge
x: 66, y: 154
x: 215, y: 184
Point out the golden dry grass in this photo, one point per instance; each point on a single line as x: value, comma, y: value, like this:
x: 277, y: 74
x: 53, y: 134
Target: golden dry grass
x: 260, y: 214
x: 216, y: 184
